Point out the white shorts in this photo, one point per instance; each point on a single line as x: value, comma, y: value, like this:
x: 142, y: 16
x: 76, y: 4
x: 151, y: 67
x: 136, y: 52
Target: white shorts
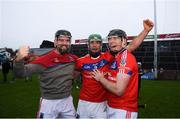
x: 119, y: 113
x: 59, y: 108
x: 91, y: 110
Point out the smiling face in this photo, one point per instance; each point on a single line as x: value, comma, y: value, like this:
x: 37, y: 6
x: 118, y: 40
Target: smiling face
x: 62, y: 44
x: 115, y: 43
x: 116, y: 40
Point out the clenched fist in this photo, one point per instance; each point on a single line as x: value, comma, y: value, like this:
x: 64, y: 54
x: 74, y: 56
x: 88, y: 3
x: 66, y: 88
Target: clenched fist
x: 148, y: 25
x: 22, y: 53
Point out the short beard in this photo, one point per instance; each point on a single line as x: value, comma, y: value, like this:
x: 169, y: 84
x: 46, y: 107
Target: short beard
x: 94, y: 54
x: 114, y: 53
x: 62, y: 52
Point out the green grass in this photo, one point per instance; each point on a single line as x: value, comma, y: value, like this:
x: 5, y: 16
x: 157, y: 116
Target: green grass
x: 20, y: 99
x: 162, y: 99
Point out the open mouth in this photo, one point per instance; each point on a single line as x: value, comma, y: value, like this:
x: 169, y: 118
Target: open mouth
x: 94, y: 49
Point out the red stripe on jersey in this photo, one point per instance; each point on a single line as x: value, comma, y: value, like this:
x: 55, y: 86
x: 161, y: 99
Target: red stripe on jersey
x: 53, y: 58
x: 128, y: 115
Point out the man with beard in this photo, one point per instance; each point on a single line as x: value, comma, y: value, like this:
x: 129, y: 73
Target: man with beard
x: 56, y: 70
x: 92, y: 99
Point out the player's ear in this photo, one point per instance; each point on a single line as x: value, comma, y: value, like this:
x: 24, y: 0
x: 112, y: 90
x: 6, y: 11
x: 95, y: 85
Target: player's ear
x: 124, y: 42
x: 88, y: 45
x: 55, y: 42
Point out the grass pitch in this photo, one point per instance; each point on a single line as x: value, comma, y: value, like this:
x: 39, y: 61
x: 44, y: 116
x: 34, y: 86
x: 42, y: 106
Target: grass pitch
x: 20, y: 99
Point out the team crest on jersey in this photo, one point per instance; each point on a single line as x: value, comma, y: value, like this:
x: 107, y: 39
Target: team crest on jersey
x: 114, y: 65
x: 93, y: 66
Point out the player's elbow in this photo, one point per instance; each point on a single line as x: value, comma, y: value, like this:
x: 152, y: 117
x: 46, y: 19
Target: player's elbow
x: 119, y: 92
x: 132, y: 47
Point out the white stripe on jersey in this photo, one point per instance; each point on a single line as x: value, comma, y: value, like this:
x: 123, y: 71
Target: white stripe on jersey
x: 123, y: 62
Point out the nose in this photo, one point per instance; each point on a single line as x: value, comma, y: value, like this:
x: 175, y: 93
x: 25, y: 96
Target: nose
x: 64, y: 42
x: 94, y: 44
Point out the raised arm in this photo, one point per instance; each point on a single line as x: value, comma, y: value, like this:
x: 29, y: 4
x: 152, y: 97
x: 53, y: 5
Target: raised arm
x: 135, y: 43
x: 22, y: 70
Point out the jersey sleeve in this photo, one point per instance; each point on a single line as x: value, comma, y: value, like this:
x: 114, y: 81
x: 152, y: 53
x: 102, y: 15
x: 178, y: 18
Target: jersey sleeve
x: 108, y: 56
x: 75, y: 57
x: 78, y: 65
x: 22, y: 70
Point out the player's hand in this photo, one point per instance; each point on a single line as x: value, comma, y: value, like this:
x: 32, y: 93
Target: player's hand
x: 148, y: 24
x: 22, y: 53
x: 97, y: 75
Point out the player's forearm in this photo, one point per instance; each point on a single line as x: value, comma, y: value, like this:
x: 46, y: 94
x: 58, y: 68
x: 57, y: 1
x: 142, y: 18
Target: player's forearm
x: 112, y: 87
x: 18, y: 58
x: 21, y: 70
x: 135, y: 43
x: 18, y: 68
